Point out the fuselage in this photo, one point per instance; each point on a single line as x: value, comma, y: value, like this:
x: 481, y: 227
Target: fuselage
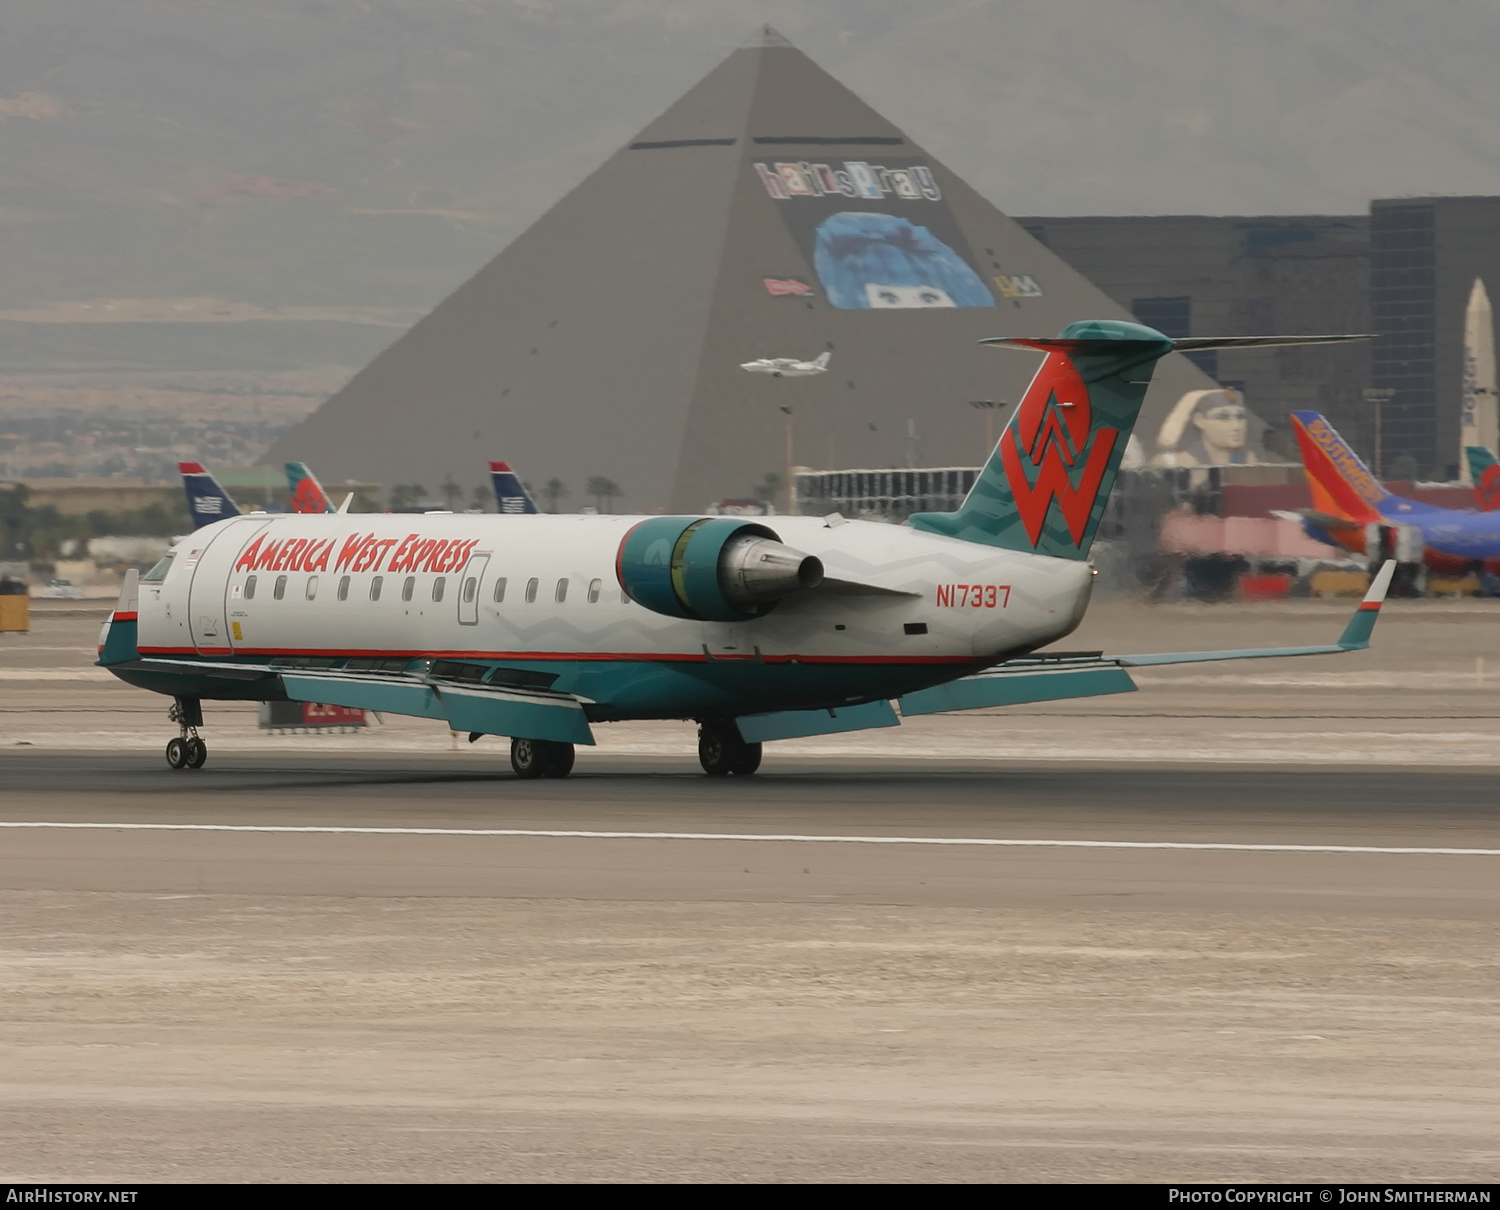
x: 1453, y: 539
x: 540, y: 595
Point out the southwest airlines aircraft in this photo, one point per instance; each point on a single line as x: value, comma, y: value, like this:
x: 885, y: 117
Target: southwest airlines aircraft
x: 541, y: 627
x: 1346, y: 497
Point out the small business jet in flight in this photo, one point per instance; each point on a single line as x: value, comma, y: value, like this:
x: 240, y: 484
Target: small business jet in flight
x: 541, y: 628
x: 787, y: 367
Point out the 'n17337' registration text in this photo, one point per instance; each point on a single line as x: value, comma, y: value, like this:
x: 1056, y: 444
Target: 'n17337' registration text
x: 973, y: 596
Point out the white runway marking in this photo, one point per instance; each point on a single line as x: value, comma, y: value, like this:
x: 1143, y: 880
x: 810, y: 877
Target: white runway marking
x: 973, y: 841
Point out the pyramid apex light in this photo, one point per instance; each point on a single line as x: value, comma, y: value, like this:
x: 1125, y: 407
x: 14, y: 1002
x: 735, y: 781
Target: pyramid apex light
x: 766, y: 35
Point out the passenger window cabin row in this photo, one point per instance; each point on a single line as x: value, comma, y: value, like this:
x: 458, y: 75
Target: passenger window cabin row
x: 409, y: 587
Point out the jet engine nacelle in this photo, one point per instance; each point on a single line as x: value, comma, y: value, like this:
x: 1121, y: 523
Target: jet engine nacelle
x: 714, y: 569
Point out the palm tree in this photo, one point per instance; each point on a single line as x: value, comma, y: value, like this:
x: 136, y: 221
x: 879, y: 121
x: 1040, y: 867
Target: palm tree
x: 555, y: 490
x: 404, y: 495
x: 451, y: 492
x: 602, y: 489
x: 481, y: 498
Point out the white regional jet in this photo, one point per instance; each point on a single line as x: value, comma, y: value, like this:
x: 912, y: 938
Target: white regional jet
x: 787, y: 367
x: 541, y: 627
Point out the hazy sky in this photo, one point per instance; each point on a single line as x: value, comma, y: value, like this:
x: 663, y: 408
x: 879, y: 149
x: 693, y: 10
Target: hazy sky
x: 375, y: 152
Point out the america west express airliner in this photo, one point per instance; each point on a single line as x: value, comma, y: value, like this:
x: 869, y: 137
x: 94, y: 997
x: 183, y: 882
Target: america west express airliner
x: 540, y: 627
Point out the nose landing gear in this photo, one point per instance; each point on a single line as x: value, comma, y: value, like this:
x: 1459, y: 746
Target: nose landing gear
x: 187, y: 751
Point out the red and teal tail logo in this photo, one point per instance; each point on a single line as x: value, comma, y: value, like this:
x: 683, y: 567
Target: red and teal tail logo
x: 1485, y: 472
x: 307, y: 493
x: 1048, y: 480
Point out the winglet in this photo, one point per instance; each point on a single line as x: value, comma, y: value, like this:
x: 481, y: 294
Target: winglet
x: 348, y: 500
x: 1357, y: 633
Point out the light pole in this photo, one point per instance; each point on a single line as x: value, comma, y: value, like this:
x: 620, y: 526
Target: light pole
x: 989, y: 407
x: 791, y: 489
x: 1379, y: 397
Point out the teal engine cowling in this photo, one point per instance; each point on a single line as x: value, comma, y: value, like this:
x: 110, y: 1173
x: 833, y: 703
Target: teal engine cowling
x: 712, y: 569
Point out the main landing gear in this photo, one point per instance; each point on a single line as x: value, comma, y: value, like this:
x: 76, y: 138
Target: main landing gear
x: 187, y: 751
x: 541, y: 758
x: 721, y: 751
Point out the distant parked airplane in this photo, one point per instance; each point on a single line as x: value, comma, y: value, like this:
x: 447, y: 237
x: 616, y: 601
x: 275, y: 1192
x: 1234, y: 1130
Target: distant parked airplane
x: 510, y: 493
x: 1346, y: 498
x: 308, y: 495
x: 207, y: 501
x: 1485, y: 471
x: 787, y: 367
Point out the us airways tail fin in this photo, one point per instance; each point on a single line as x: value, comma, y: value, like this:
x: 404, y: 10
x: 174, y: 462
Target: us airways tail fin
x: 1342, y: 485
x: 1485, y: 472
x: 207, y: 502
x: 510, y: 493
x: 308, y: 495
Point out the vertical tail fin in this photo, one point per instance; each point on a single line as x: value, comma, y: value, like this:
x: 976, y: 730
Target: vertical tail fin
x: 1485, y: 472
x: 1048, y: 479
x: 510, y: 493
x: 207, y: 502
x: 308, y: 495
x: 1342, y: 485
x: 822, y: 359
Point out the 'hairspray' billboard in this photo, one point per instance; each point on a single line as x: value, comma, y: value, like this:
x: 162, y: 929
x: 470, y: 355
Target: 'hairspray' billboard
x: 877, y: 235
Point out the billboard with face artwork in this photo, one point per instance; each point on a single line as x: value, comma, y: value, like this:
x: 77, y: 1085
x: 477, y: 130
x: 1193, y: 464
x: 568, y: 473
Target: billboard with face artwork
x: 877, y: 235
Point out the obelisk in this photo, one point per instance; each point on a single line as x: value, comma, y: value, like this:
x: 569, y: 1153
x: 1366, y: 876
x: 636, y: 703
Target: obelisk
x: 1479, y: 422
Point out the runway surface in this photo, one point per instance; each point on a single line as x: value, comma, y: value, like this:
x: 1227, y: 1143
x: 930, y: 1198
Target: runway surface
x: 946, y: 953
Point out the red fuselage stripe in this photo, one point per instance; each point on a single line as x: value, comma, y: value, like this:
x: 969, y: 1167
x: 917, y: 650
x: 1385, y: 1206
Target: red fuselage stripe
x: 616, y: 657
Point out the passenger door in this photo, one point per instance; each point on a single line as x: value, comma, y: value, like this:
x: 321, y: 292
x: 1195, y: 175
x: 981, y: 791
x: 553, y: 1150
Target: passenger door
x: 212, y: 565
x: 470, y: 581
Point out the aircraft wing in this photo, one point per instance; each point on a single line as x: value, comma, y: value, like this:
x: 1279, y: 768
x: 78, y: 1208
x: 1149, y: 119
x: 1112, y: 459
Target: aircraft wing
x: 1044, y: 678
x: 443, y: 692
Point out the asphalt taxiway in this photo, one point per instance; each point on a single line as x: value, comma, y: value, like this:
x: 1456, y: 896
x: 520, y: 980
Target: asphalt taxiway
x: 1223, y: 930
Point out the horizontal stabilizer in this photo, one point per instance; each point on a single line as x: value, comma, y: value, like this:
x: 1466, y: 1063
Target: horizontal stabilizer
x: 1195, y: 344
x: 1180, y: 344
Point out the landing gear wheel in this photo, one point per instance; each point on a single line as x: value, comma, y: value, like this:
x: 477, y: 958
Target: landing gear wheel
x: 721, y: 751
x: 177, y: 753
x: 560, y: 759
x: 540, y: 758
x: 197, y: 753
x: 747, y: 761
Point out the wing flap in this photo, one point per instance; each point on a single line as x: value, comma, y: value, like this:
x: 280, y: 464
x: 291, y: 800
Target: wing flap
x: 798, y: 724
x: 1001, y: 688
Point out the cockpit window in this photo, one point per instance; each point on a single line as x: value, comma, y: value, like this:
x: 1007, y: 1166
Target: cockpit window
x: 158, y: 573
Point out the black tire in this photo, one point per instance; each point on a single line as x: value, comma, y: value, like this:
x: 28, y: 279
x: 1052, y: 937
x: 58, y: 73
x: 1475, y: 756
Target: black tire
x: 559, y: 759
x: 747, y: 760
x: 528, y: 757
x: 177, y: 753
x: 197, y: 753
x: 718, y: 746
